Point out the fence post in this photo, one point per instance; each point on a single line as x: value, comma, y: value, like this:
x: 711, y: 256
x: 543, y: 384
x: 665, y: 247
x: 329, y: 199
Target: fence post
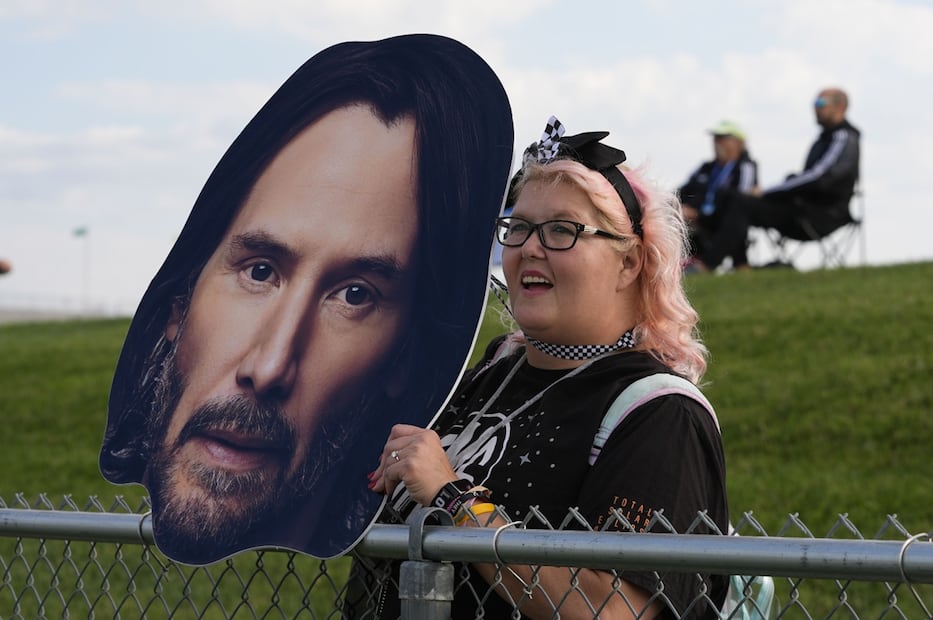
x: 426, y: 588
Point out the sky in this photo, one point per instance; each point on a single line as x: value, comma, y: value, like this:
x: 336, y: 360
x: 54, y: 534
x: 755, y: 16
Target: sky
x: 114, y: 112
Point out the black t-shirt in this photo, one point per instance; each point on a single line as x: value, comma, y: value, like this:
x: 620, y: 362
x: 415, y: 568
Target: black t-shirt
x: 667, y: 455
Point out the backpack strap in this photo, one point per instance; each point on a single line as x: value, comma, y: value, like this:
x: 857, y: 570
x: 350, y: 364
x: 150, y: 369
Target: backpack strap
x: 739, y: 603
x: 637, y: 394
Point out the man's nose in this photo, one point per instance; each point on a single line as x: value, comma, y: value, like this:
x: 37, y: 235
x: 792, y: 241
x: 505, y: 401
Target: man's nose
x: 269, y: 368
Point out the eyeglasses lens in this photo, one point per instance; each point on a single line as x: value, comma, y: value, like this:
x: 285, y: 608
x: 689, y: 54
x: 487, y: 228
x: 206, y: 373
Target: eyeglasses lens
x: 556, y: 234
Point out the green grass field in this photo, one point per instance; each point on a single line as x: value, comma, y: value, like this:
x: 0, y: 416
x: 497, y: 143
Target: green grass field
x: 822, y: 384
x: 821, y: 381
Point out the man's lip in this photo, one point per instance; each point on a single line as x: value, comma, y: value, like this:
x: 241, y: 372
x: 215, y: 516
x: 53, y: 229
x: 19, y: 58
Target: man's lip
x: 236, y: 451
x: 240, y: 441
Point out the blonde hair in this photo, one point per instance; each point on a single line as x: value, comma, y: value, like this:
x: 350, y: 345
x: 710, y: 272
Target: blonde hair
x: 667, y: 325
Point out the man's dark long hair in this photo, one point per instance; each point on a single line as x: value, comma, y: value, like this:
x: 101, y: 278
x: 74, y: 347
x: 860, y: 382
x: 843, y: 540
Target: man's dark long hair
x: 464, y: 142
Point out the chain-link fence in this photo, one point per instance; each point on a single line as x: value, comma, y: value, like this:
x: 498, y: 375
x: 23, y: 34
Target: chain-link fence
x: 60, y: 559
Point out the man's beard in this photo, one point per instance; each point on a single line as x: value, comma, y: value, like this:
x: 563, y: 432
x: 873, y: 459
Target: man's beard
x: 231, y: 511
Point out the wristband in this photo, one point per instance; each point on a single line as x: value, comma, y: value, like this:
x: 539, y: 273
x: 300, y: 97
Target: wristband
x: 474, y: 510
x: 464, y: 499
x: 460, y: 514
x: 450, y: 492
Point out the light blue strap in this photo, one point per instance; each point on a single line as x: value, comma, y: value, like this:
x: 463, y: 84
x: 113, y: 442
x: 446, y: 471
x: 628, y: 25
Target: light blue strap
x: 757, y: 606
x: 736, y: 607
x: 639, y: 393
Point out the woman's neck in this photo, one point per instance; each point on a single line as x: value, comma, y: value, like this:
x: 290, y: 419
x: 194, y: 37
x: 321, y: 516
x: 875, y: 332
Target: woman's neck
x: 540, y: 359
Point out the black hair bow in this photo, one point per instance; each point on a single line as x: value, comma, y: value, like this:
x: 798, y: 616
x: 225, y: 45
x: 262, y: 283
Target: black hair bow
x: 586, y: 149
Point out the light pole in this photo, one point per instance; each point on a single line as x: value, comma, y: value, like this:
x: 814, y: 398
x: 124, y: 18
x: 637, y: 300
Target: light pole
x: 84, y: 233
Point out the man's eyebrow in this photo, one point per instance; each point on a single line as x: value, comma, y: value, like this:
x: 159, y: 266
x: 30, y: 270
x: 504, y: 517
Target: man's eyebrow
x: 262, y: 242
x: 386, y: 266
x: 381, y: 265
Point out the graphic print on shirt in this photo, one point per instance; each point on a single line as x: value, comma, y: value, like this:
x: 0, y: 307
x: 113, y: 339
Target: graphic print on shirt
x: 473, y: 450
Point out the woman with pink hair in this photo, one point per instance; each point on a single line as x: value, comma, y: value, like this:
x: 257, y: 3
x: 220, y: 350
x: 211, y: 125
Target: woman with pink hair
x: 591, y: 405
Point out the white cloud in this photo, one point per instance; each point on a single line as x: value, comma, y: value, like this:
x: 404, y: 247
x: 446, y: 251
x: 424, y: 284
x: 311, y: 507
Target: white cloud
x: 203, y: 100
x: 331, y: 21
x: 128, y: 156
x: 50, y: 20
x: 883, y: 33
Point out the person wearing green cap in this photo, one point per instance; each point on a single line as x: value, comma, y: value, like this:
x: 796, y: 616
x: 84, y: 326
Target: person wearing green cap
x: 808, y: 205
x: 733, y: 168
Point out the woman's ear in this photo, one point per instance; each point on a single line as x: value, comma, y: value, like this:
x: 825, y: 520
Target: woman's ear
x: 630, y: 266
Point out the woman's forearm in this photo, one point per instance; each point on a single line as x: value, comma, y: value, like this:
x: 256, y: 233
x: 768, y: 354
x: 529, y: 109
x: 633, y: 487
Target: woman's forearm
x: 569, y: 593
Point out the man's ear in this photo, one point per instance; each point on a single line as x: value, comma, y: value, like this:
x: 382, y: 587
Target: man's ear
x: 174, y: 322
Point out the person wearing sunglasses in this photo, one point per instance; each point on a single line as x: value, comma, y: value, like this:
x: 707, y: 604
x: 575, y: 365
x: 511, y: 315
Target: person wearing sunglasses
x: 592, y: 256
x: 806, y: 206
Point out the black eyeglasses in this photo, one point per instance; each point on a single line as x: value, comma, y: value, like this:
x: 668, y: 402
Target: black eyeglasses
x: 554, y: 234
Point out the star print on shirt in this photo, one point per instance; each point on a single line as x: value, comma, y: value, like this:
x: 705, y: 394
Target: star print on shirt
x: 525, y: 459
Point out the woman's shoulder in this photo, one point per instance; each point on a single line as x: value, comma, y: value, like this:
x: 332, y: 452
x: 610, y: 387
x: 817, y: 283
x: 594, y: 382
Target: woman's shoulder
x: 630, y: 366
x: 638, y: 381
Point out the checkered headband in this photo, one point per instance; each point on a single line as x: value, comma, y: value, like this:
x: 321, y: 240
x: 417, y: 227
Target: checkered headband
x: 548, y: 147
x: 586, y: 149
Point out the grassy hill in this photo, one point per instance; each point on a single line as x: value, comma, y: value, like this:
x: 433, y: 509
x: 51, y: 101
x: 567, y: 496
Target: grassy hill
x: 821, y: 381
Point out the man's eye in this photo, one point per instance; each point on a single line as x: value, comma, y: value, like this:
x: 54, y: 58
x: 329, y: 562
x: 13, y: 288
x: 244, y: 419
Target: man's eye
x: 261, y: 272
x: 518, y: 228
x: 356, y: 295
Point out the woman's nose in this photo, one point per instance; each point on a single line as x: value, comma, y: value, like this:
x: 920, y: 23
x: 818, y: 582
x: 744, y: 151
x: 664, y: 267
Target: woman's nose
x: 533, y: 246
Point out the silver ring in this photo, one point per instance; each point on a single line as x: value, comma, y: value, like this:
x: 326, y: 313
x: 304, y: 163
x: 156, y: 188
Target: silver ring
x: 394, y: 455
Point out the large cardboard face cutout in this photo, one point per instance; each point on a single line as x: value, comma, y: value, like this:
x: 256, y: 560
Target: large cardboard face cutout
x: 327, y: 284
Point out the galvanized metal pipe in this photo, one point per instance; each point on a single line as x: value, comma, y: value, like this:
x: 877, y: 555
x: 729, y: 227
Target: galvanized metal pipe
x: 865, y: 560
x: 68, y: 525
x: 822, y: 558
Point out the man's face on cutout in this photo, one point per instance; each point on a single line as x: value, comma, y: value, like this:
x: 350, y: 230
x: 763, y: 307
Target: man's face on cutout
x: 292, y: 323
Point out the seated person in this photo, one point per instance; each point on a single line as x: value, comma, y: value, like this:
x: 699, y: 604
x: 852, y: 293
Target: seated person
x: 732, y: 168
x: 814, y: 202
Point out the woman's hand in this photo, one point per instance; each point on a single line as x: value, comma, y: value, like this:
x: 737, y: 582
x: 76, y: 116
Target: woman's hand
x: 412, y: 455
x: 423, y: 466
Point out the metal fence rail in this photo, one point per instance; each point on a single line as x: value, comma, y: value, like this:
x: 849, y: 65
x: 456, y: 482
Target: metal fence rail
x: 95, y: 561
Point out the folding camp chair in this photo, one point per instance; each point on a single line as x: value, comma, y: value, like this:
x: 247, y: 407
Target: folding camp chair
x: 834, y: 247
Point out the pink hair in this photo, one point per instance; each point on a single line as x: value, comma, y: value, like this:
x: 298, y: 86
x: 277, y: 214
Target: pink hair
x: 667, y: 327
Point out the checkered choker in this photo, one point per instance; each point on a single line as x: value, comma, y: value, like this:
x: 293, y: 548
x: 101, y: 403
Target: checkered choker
x: 583, y: 351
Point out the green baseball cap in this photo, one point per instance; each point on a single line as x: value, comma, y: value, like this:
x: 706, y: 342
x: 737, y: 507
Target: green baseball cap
x: 727, y: 128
